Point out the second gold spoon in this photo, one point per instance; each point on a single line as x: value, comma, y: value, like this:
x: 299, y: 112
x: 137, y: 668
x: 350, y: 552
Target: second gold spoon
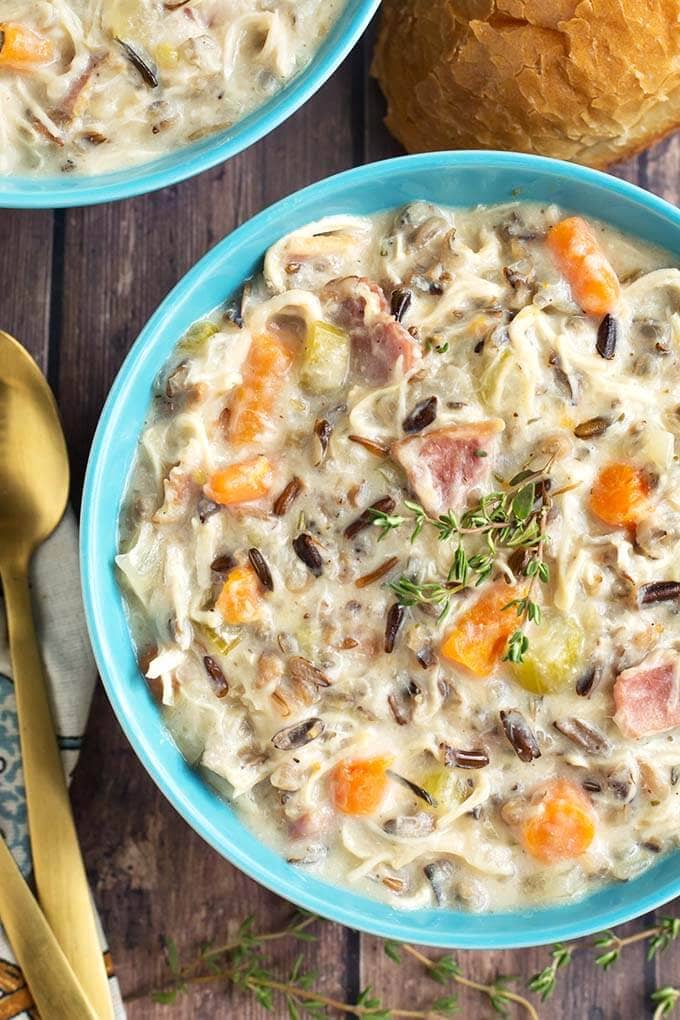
x: 51, y: 982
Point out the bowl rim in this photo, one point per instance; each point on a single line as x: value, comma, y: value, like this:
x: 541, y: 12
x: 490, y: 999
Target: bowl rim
x: 36, y: 192
x: 340, y: 904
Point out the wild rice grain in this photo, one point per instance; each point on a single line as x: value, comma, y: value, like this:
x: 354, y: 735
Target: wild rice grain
x: 607, y: 337
x: 259, y: 565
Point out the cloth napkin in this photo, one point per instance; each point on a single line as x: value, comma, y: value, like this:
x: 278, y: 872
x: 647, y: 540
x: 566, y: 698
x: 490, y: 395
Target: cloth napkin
x: 71, y: 672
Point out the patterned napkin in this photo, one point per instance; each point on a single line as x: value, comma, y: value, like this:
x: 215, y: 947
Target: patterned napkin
x: 72, y: 673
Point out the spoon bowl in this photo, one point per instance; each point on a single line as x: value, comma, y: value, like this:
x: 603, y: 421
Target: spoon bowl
x: 34, y: 481
x: 35, y: 474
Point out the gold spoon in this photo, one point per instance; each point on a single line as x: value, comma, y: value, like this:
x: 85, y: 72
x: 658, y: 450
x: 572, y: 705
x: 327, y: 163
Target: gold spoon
x: 53, y: 985
x: 34, y: 480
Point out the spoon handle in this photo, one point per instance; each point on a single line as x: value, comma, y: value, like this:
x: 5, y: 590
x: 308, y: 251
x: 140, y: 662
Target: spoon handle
x: 60, y: 877
x: 51, y: 982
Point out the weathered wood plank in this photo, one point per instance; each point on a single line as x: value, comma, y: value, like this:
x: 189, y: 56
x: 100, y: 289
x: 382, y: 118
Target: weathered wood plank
x: 151, y: 874
x: 25, y: 275
x: 153, y: 877
x: 657, y: 169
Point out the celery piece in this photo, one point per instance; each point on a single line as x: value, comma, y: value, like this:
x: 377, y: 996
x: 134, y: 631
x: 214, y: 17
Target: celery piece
x: 325, y: 361
x: 554, y: 657
x: 197, y: 336
x: 213, y: 638
x: 445, y: 786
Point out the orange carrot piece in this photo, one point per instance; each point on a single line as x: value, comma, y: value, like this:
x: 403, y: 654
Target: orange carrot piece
x: 577, y: 252
x: 21, y: 48
x: 240, y: 600
x: 561, y: 824
x: 358, y: 786
x: 619, y: 495
x: 480, y: 634
x: 264, y: 372
x: 242, y: 482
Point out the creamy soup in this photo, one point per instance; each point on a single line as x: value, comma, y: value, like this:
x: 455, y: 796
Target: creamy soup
x: 401, y: 553
x: 88, y: 86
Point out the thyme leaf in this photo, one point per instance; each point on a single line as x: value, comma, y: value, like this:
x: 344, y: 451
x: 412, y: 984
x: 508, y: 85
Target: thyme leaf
x: 543, y: 983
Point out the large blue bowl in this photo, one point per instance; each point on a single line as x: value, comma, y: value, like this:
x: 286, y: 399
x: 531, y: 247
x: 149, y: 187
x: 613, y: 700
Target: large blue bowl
x: 70, y: 190
x: 462, y: 178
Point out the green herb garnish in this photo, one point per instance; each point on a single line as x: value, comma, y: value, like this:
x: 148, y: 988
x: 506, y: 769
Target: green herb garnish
x: 510, y: 519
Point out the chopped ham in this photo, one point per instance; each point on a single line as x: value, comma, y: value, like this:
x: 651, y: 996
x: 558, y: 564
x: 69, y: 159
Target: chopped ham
x: 380, y: 344
x: 353, y: 298
x: 443, y: 465
x: 647, y: 697
x: 180, y: 492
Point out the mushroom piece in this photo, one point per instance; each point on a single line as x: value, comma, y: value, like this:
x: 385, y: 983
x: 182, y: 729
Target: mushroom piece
x: 410, y: 826
x: 292, y: 737
x: 439, y: 874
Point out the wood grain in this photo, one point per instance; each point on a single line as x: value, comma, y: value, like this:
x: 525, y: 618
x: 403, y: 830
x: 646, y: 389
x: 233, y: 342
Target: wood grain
x: 25, y: 278
x: 76, y: 287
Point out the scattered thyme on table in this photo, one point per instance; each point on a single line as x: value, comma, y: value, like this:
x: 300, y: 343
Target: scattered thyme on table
x: 242, y: 963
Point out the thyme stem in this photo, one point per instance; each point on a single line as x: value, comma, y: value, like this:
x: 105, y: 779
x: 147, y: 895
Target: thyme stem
x: 488, y: 990
x: 188, y: 972
x: 341, y: 1007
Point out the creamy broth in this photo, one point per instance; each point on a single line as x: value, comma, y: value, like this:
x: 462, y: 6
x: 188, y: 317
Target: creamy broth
x: 88, y: 86
x: 342, y: 676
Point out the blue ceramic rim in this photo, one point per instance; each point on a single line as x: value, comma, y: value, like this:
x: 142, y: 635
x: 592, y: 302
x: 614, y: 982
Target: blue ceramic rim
x: 72, y: 192
x: 188, y: 793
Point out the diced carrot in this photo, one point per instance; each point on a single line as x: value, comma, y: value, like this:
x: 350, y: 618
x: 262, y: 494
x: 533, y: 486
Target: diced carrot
x: 240, y: 600
x: 577, y: 252
x: 240, y: 483
x: 480, y: 634
x: 561, y: 824
x: 358, y: 786
x: 619, y: 494
x: 264, y: 372
x: 21, y: 48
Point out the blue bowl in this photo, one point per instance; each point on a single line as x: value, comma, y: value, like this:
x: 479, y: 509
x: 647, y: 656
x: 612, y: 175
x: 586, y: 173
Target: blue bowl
x: 57, y: 192
x: 458, y: 178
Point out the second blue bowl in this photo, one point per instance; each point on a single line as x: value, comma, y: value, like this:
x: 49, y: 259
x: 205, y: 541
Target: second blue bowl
x: 37, y: 192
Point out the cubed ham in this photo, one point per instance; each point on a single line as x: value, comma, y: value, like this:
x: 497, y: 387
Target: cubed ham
x: 647, y: 697
x: 379, y: 344
x: 443, y: 465
x: 351, y: 299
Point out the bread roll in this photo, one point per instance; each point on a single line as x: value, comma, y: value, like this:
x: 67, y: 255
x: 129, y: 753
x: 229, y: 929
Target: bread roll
x: 592, y: 81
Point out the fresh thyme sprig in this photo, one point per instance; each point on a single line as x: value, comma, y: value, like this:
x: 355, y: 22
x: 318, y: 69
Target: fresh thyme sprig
x: 446, y: 968
x: 543, y: 983
x: 512, y: 519
x: 242, y: 962
x: 660, y: 937
x: 608, y: 948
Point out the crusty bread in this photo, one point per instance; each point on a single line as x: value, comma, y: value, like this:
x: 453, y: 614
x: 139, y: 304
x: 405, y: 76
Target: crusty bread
x: 592, y: 81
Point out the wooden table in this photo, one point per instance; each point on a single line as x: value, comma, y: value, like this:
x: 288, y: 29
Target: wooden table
x: 77, y: 286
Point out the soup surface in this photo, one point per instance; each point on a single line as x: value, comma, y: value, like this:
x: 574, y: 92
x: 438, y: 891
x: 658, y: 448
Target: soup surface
x: 88, y: 86
x: 401, y: 553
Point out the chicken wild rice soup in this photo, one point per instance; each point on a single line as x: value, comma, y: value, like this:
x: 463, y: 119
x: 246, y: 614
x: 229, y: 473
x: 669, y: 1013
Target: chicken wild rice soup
x: 400, y: 552
x: 88, y: 86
